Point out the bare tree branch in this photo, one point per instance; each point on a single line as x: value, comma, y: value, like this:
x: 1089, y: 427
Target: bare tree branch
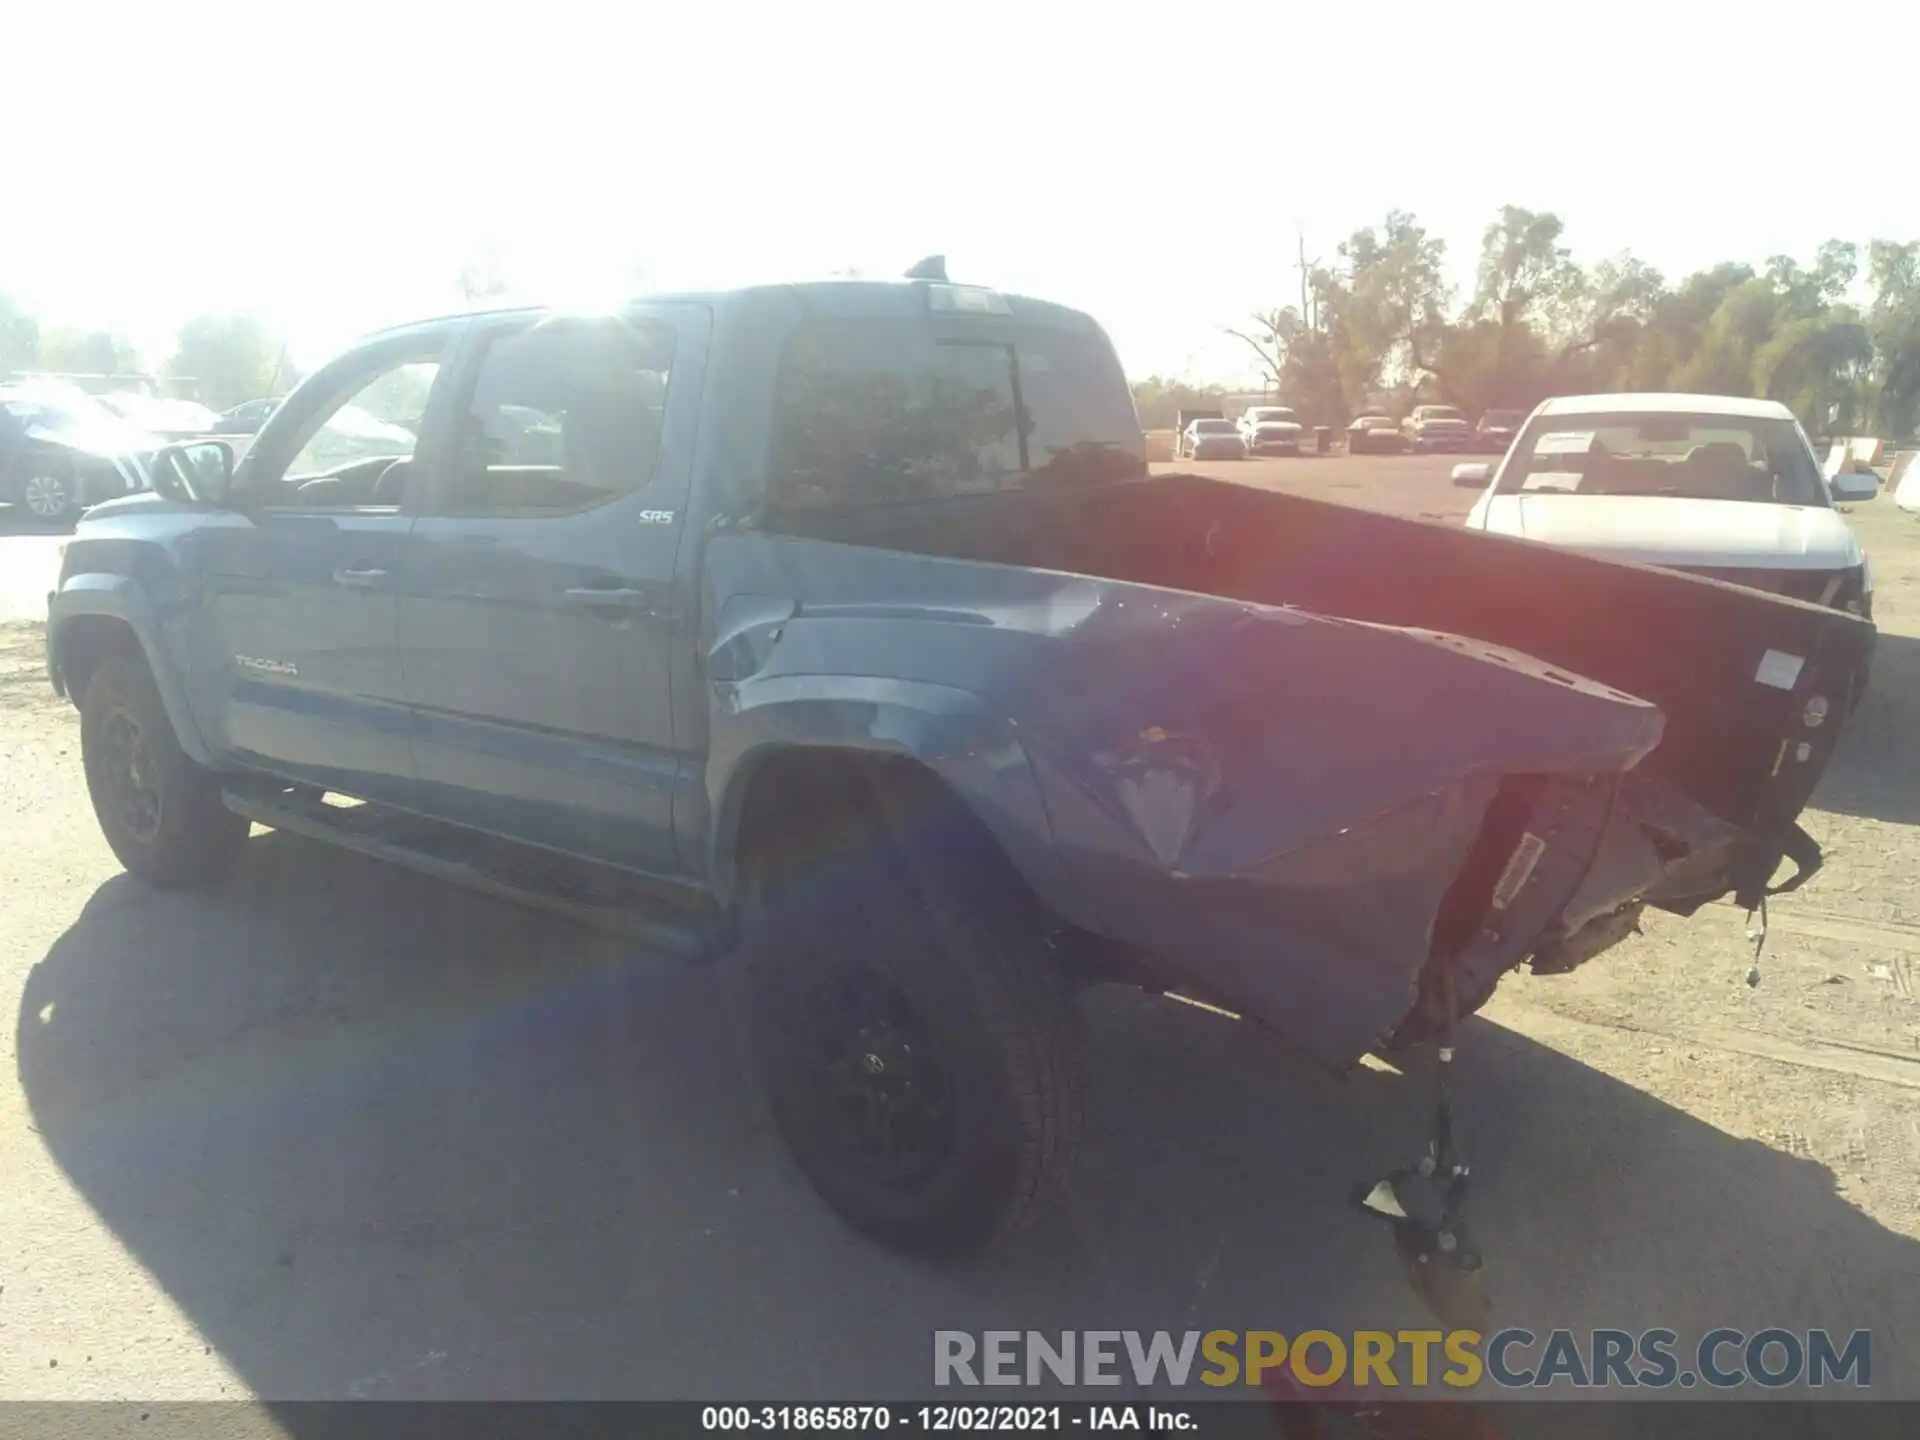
x: 1271, y: 360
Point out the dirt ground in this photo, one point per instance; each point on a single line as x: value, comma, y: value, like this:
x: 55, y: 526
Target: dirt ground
x: 334, y: 1131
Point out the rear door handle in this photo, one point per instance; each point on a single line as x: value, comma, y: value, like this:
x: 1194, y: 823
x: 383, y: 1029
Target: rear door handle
x: 361, y: 579
x: 587, y: 597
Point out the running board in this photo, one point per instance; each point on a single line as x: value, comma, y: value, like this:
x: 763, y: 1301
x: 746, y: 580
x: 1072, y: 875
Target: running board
x: 596, y: 896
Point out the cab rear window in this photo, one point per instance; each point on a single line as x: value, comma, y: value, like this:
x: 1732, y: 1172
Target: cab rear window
x: 876, y: 412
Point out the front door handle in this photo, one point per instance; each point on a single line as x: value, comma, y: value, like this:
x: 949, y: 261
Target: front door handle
x: 360, y: 579
x: 587, y: 597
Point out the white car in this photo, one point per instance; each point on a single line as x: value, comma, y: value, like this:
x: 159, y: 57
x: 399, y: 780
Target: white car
x: 1709, y: 484
x: 1270, y: 427
x: 1438, y: 427
x: 1210, y: 439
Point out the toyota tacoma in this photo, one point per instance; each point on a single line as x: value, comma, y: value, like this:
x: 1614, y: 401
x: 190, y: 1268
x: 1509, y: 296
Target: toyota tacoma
x: 840, y: 629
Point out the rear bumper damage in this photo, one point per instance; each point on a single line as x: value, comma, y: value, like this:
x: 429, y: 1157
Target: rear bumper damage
x: 1386, y: 934
x: 1548, y: 871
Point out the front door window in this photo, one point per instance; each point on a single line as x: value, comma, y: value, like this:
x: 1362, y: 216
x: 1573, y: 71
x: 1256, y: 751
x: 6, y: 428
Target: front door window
x: 355, y: 450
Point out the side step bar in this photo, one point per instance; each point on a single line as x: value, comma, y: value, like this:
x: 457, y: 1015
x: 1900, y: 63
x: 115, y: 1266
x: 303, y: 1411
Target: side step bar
x: 596, y: 896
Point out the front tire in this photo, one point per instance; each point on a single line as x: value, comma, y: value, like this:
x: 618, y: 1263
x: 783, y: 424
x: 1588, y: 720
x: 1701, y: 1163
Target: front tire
x: 162, y: 815
x: 917, y: 1045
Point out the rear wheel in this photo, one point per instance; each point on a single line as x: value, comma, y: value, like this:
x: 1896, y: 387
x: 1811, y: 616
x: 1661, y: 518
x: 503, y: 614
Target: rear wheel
x: 161, y: 814
x: 917, y: 1045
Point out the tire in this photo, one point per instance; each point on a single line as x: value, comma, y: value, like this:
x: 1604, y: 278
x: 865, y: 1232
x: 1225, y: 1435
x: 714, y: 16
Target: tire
x: 904, y: 992
x: 161, y: 814
x: 50, y: 497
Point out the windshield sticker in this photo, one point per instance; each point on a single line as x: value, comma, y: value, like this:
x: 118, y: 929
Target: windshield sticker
x: 1564, y: 442
x: 1779, y: 669
x: 1567, y: 480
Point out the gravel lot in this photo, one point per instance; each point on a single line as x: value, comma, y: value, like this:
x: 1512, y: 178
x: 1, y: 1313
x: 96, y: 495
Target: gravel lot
x: 335, y: 1131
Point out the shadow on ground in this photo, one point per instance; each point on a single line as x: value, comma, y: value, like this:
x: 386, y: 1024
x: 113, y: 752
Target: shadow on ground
x: 1874, y: 774
x: 380, y: 1138
x: 18, y: 520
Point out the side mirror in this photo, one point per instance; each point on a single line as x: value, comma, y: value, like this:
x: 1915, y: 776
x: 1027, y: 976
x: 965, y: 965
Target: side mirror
x: 1852, y: 485
x: 198, y: 470
x: 1471, y: 477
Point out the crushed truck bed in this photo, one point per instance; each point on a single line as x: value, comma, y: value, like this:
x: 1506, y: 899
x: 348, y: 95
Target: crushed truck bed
x: 1732, y: 670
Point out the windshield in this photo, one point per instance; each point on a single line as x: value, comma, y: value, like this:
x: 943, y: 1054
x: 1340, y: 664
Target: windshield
x: 1212, y: 427
x: 1698, y: 457
x: 1277, y: 417
x: 1504, y: 418
x: 1439, y: 412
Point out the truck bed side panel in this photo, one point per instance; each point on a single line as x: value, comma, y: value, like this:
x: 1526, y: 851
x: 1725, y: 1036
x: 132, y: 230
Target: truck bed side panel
x: 1275, y: 802
x: 1731, y: 669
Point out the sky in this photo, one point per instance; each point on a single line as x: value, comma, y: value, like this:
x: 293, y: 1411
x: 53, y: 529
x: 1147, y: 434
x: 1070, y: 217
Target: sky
x: 332, y: 167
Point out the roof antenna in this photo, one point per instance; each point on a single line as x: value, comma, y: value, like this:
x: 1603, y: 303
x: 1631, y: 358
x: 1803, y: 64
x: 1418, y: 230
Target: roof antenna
x: 934, y: 267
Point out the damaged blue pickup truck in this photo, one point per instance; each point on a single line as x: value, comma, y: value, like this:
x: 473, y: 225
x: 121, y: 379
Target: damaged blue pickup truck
x: 841, y: 628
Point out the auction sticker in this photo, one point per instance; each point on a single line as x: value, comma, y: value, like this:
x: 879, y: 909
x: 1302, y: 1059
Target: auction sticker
x: 1779, y: 669
x: 1564, y: 442
x: 1568, y: 480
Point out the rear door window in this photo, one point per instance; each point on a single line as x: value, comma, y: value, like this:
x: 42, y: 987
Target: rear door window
x: 876, y: 412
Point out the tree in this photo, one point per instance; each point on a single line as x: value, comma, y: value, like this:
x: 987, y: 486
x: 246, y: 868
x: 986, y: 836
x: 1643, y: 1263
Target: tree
x: 1817, y: 366
x: 19, y: 336
x: 1723, y: 361
x: 96, y: 352
x: 1311, y: 353
x: 1158, y: 401
x: 1270, y: 336
x: 1539, y: 324
x: 229, y: 358
x: 1483, y: 365
x: 1397, y: 296
x: 1673, y: 332
x: 1598, y: 319
x: 1524, y: 269
x: 1893, y: 321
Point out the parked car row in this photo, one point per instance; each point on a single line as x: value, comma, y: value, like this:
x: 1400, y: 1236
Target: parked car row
x: 1277, y: 430
x: 62, y: 450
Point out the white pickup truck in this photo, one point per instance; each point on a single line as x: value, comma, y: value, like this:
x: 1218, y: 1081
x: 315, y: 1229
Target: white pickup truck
x: 1270, y: 429
x: 1710, y: 484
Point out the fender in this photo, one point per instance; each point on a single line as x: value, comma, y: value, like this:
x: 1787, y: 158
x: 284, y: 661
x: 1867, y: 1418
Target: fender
x: 117, y: 597
x: 951, y: 731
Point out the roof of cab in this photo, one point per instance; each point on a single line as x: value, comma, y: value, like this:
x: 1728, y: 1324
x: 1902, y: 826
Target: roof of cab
x: 1666, y: 403
x: 905, y: 299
